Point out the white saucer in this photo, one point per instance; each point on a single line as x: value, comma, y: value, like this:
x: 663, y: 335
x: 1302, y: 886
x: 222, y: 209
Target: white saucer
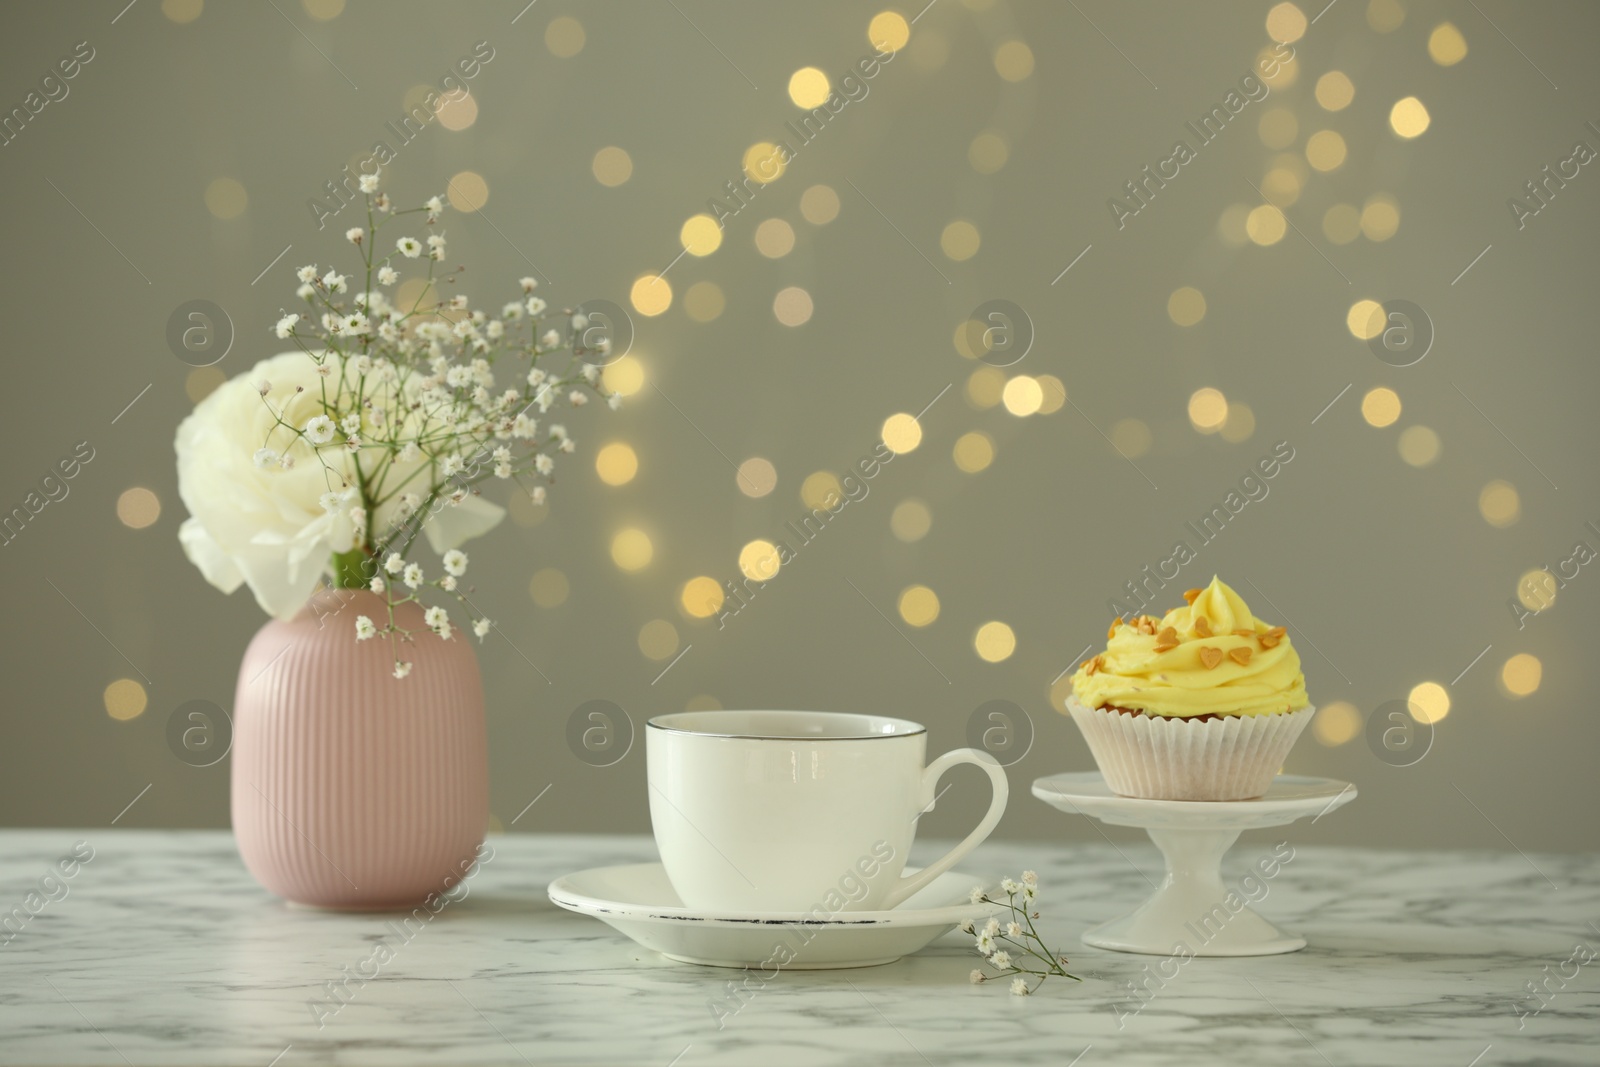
x: 638, y: 900
x: 1193, y: 907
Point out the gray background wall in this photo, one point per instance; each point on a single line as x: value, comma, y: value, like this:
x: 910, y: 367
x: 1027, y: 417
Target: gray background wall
x: 1388, y: 573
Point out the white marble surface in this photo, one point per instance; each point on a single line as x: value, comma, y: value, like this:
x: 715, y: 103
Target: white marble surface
x: 164, y: 951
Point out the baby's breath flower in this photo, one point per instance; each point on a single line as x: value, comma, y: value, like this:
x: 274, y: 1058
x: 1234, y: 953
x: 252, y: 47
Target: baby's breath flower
x: 435, y: 206
x: 307, y: 273
x: 536, y: 305
x: 402, y: 669
x: 352, y: 443
x: 976, y: 895
x: 1029, y: 892
x: 451, y: 466
x: 481, y: 628
x: 319, y: 429
x: 265, y: 457
x: 528, y: 284
x: 976, y: 977
x: 412, y: 575
x: 377, y: 585
x: 364, y: 628
x: 387, y: 275
x: 409, y: 452
x: 550, y: 339
x: 335, y: 282
x: 537, y: 495
x: 306, y: 291
x: 577, y: 399
x: 438, y: 621
x: 330, y: 501
x: 544, y: 464
x: 355, y: 233
x: 448, y: 583
x: 409, y: 247
x: 455, y: 562
x: 285, y: 325
x: 614, y: 401
x: 436, y: 246
x: 1036, y: 960
x: 965, y: 926
x: 368, y: 183
x: 394, y: 564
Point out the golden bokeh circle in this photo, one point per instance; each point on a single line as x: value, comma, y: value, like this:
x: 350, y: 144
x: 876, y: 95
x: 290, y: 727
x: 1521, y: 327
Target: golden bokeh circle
x: 549, y: 588
x: 1500, y: 504
x: 819, y: 205
x: 757, y: 477
x: 994, y: 642
x: 612, y: 166
x: 910, y: 521
x: 616, y: 463
x: 1336, y: 723
x: 1208, y: 409
x: 973, y: 451
x: 700, y: 235
x: 1429, y: 702
x: 125, y: 699
x: 759, y: 560
x: 631, y: 549
x: 701, y: 597
x: 919, y: 605
x: 1022, y: 395
x: 1409, y: 118
x: 138, y: 507
x: 1522, y: 674
x: 651, y: 295
x: 1381, y: 406
x: 902, y: 433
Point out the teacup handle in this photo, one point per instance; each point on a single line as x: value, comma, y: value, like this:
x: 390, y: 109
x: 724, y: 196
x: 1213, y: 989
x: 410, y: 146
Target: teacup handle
x: 997, y: 805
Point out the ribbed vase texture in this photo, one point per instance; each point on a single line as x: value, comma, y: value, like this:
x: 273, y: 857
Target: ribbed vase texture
x: 352, y: 788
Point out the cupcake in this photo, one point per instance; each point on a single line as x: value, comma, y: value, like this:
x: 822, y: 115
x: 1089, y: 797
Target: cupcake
x: 1202, y: 704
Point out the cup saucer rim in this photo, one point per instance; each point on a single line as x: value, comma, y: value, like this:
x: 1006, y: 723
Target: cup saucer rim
x: 563, y: 894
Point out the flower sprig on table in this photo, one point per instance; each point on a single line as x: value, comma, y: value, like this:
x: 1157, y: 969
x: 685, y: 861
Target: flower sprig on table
x: 380, y: 429
x: 1014, y: 948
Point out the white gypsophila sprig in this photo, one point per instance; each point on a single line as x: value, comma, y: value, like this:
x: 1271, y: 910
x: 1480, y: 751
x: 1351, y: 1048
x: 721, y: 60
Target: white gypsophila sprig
x: 404, y: 398
x: 1014, y: 949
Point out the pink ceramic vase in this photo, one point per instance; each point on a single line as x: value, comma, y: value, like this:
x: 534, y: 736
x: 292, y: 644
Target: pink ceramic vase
x: 352, y: 788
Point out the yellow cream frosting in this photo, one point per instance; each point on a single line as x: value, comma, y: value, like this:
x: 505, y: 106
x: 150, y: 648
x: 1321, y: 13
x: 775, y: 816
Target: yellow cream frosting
x: 1198, y: 668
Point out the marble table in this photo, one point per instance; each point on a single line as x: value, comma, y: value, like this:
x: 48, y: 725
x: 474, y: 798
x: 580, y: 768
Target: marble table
x: 163, y: 951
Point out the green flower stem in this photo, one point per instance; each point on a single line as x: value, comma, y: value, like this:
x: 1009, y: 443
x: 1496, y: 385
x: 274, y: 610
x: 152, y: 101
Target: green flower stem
x: 352, y: 569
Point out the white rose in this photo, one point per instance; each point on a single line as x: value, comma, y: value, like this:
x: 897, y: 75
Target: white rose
x: 267, y: 526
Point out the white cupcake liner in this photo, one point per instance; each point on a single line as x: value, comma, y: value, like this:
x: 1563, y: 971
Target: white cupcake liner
x: 1234, y: 757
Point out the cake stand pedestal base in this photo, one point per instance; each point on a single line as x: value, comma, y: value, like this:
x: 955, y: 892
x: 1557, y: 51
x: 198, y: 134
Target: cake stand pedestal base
x: 1193, y: 912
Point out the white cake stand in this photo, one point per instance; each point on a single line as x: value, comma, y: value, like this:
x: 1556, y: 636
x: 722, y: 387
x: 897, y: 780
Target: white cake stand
x: 1192, y: 904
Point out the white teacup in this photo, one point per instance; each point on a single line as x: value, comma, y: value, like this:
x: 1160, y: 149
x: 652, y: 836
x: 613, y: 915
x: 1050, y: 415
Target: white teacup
x: 797, y: 811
